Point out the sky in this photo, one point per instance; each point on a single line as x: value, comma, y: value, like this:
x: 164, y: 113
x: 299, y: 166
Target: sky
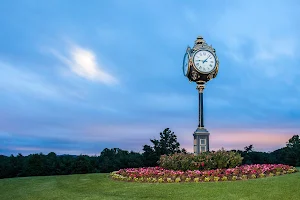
x: 80, y: 76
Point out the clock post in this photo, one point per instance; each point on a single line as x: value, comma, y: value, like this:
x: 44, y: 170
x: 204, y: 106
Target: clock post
x: 201, y: 135
x: 200, y: 65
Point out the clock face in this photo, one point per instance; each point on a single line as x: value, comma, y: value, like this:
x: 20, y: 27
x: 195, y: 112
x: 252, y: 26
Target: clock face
x: 204, y: 61
x: 185, y: 63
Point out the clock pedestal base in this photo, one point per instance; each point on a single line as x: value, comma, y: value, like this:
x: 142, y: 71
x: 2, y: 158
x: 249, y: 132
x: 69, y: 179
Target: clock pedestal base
x: 201, y: 140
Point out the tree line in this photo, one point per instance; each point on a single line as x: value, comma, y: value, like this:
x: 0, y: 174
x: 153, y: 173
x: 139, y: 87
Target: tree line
x: 289, y: 155
x: 114, y: 159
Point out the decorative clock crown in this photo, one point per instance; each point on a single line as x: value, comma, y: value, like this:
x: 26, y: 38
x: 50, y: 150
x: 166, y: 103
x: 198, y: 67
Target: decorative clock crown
x: 200, y: 40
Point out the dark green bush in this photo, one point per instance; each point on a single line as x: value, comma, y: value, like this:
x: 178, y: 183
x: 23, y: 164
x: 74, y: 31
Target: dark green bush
x: 204, y: 161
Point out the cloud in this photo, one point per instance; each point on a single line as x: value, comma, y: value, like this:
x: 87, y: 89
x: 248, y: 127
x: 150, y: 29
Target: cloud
x: 252, y: 32
x: 17, y: 80
x: 168, y: 101
x: 15, y: 143
x: 89, y: 139
x: 83, y: 62
x: 253, y: 43
x: 271, y: 35
x: 29, y: 81
x: 263, y: 139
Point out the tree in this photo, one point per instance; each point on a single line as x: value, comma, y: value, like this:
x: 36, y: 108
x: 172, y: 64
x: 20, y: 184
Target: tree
x: 294, y: 142
x: 167, y: 145
x: 248, y: 148
x: 35, y: 165
x: 82, y: 165
x: 65, y: 164
x: 115, y: 159
x: 150, y: 157
x: 293, y: 151
x: 108, y: 160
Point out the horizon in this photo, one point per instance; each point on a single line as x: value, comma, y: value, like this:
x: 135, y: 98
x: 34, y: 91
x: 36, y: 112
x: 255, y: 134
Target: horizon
x: 77, y: 77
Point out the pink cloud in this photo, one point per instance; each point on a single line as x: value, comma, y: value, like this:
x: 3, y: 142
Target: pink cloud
x: 262, y: 139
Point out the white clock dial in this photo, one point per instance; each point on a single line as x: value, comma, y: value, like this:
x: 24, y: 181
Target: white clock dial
x: 204, y: 61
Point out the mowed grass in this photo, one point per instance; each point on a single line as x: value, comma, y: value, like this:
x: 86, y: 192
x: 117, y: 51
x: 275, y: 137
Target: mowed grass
x: 100, y: 186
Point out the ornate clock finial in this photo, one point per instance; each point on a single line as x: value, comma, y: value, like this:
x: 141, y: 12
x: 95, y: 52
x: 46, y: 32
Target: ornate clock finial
x: 200, y: 40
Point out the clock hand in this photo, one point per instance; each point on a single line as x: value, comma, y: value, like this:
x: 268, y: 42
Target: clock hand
x: 205, y: 59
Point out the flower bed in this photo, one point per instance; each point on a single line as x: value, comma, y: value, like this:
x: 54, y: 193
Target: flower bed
x: 161, y: 175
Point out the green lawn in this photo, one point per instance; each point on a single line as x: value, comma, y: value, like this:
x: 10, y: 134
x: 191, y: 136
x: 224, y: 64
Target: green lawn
x: 100, y: 186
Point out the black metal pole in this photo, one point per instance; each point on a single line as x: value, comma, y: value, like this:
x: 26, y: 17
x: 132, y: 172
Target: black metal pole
x: 200, y: 88
x: 201, y: 120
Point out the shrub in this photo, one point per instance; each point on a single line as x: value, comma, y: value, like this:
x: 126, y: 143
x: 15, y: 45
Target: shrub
x: 244, y: 177
x: 205, y: 161
x: 216, y: 178
x: 224, y: 178
x: 206, y: 179
x: 261, y: 175
x: 169, y: 180
x: 178, y: 161
x: 278, y: 173
x: 177, y: 180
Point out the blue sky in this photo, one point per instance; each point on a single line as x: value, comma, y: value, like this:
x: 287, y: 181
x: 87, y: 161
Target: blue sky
x: 79, y: 76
